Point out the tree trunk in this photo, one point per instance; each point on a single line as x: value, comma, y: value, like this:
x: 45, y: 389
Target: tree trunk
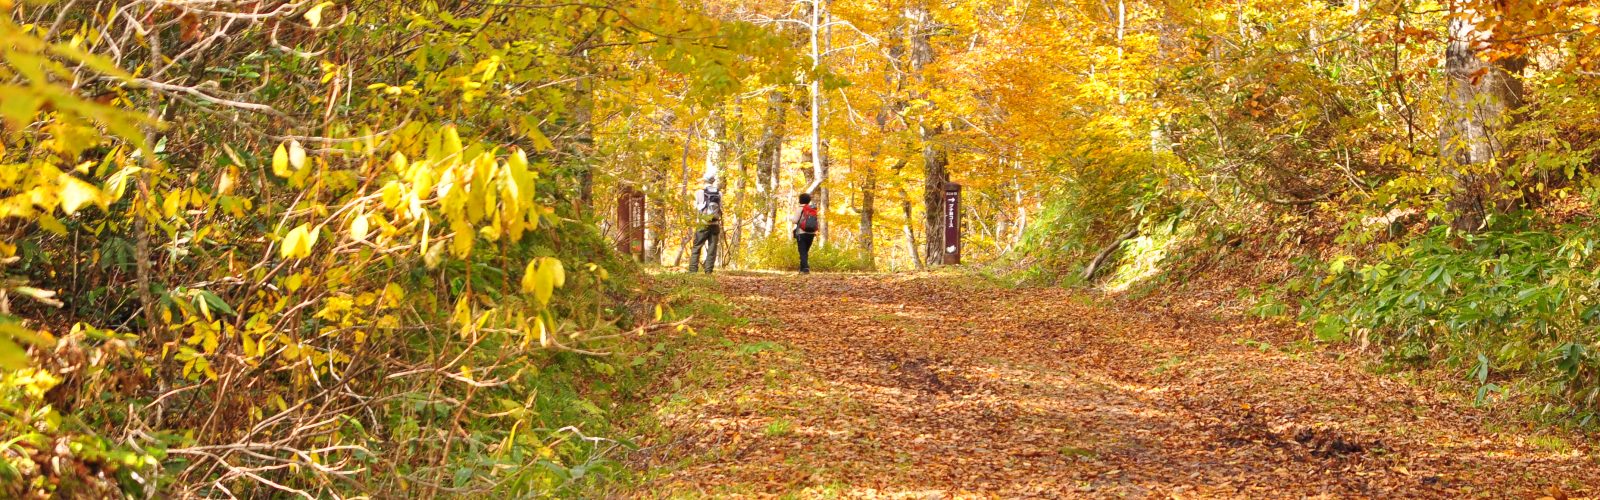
x: 582, y: 149
x: 740, y: 189
x: 815, y: 87
x: 1481, y: 101
x: 869, y: 196
x: 910, y: 232
x: 820, y: 197
x: 716, y: 144
x: 767, y: 161
x: 656, y: 213
x: 935, y: 160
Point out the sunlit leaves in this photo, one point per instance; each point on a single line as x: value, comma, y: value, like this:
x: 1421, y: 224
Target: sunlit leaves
x: 76, y: 193
x: 297, y: 243
x: 280, y: 162
x: 314, y: 15
x: 542, y: 276
x: 359, y: 227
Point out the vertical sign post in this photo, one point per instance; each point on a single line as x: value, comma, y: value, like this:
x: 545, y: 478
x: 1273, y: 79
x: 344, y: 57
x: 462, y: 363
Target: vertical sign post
x: 630, y: 222
x: 636, y: 238
x: 952, y: 224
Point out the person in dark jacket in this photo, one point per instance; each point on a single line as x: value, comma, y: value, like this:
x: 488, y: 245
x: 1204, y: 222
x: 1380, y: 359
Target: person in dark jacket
x: 708, y: 202
x: 806, y: 222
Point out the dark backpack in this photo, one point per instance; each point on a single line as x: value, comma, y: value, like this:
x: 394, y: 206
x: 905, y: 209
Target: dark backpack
x: 808, y: 219
x: 713, y: 208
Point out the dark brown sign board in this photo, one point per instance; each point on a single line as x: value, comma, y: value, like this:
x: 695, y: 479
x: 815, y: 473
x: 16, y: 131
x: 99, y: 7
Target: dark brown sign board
x: 952, y: 224
x: 630, y: 222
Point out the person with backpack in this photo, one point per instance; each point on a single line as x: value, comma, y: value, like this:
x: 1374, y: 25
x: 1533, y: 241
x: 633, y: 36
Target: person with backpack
x: 806, y: 224
x: 708, y: 202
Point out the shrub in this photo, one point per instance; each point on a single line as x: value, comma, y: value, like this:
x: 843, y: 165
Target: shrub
x: 1512, y: 301
x: 778, y: 252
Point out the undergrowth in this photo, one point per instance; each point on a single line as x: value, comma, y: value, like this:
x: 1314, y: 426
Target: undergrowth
x: 1513, y: 309
x: 778, y: 252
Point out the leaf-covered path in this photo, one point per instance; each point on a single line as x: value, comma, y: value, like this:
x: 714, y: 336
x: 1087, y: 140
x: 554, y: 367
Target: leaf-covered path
x: 941, y: 387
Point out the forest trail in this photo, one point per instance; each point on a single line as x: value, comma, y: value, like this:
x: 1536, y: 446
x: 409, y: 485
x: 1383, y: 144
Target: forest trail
x: 917, y: 386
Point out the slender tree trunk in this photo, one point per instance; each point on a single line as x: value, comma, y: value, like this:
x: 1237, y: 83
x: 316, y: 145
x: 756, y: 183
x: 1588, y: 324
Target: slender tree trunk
x: 767, y: 161
x: 869, y: 197
x: 582, y: 150
x: 819, y: 176
x: 683, y: 194
x: 821, y: 196
x: 1021, y: 227
x: 716, y: 144
x: 1481, y: 101
x: 656, y: 213
x: 912, y: 248
x: 740, y: 189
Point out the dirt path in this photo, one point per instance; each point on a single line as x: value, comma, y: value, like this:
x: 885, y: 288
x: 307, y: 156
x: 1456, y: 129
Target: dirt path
x: 941, y: 387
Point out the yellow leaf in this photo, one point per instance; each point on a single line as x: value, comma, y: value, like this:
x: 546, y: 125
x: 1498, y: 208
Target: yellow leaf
x: 528, y: 276
x: 358, y: 228
x: 280, y: 162
x: 556, y: 270
x: 393, y: 294
x: 314, y: 16
x: 461, y: 241
x: 298, y: 243
x: 169, y: 206
x: 297, y: 155
x: 540, y: 142
x: 452, y: 141
x: 540, y: 278
x: 76, y: 193
x: 393, y: 195
x: 50, y: 223
x: 225, y: 181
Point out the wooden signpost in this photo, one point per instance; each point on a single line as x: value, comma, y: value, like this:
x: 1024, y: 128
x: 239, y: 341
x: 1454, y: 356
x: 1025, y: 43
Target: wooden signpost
x: 630, y: 222
x: 952, y: 224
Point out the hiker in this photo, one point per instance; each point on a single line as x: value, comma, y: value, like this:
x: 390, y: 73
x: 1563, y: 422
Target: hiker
x: 805, y: 231
x: 708, y: 202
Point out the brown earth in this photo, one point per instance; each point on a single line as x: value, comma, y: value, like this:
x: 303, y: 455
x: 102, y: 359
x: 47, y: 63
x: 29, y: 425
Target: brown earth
x: 925, y: 386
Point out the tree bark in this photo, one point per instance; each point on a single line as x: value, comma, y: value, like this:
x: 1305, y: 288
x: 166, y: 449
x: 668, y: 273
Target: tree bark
x: 935, y: 160
x: 910, y: 232
x: 582, y: 149
x: 656, y: 213
x: 768, y: 159
x: 815, y: 87
x: 1106, y: 253
x: 1481, y: 101
x: 716, y: 144
x: 869, y: 197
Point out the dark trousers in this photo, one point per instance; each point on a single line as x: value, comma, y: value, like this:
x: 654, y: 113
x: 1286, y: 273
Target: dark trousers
x: 705, y: 237
x: 803, y: 240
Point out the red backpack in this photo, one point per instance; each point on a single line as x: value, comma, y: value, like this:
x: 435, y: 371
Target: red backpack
x: 808, y: 219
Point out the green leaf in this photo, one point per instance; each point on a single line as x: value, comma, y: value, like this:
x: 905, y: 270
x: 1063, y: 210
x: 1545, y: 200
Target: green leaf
x: 1330, y: 328
x: 215, y: 302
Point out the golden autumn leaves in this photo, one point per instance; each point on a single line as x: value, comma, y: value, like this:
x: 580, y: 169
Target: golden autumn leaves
x: 469, y: 191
